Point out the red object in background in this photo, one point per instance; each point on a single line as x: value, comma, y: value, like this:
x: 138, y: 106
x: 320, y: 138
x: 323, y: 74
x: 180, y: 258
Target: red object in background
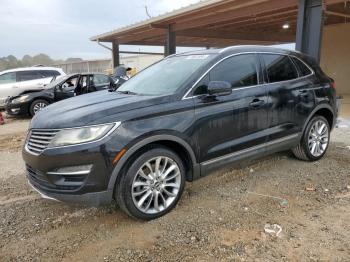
x: 2, y: 121
x: 333, y: 85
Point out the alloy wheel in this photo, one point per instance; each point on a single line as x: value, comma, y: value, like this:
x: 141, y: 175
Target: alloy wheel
x: 318, y: 138
x: 156, y: 185
x: 38, y: 106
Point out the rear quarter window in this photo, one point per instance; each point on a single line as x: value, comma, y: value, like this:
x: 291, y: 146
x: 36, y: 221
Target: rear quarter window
x: 49, y: 73
x: 279, y: 68
x: 303, y: 69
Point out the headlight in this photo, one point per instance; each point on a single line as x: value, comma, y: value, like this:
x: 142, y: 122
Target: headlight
x: 81, y: 135
x: 19, y: 99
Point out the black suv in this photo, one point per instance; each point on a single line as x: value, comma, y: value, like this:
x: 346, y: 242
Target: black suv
x: 176, y: 121
x: 29, y: 103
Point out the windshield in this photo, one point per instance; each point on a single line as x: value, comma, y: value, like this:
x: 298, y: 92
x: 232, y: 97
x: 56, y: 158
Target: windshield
x: 166, y: 76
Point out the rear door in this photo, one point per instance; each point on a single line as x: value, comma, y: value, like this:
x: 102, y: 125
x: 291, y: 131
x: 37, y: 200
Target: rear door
x: 30, y: 80
x: 232, y: 123
x: 289, y: 95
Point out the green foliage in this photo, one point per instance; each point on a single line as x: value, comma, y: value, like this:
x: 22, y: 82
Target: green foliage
x: 11, y: 61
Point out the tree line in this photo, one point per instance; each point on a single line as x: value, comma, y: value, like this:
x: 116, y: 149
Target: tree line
x: 11, y: 61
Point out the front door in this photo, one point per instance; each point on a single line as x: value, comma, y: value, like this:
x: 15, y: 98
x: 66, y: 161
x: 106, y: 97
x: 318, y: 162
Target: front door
x: 226, y: 125
x: 67, y: 89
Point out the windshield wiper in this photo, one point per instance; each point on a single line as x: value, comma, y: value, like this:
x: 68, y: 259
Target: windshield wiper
x: 127, y: 92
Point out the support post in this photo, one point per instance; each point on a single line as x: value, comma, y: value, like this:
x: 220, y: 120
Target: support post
x: 115, y: 55
x: 170, y: 43
x: 309, y: 28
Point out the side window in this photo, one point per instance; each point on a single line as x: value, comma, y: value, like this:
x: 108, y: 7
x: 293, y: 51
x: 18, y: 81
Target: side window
x: 70, y: 84
x: 240, y: 71
x: 100, y: 79
x: 49, y: 73
x: 8, y: 78
x: 279, y: 68
x: 303, y: 69
x: 27, y: 76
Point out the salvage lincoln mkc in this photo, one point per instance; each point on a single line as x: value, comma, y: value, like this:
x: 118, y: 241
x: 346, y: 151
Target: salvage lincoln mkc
x: 176, y: 121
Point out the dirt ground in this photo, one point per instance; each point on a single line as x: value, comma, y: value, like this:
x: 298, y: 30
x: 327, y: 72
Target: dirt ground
x: 219, y: 218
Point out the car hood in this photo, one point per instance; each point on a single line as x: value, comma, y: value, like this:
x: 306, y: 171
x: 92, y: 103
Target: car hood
x: 35, y: 93
x: 92, y: 108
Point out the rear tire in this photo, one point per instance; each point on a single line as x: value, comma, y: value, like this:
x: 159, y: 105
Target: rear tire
x: 315, y: 140
x: 152, y: 184
x: 37, y: 105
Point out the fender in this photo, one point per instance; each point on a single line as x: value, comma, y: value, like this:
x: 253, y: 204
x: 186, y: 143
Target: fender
x: 148, y: 140
x: 318, y: 107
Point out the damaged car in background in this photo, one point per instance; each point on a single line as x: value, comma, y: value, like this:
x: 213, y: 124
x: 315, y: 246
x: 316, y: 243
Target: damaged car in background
x: 14, y: 82
x: 59, y: 89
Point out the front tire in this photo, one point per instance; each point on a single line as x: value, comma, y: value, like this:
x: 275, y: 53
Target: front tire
x: 152, y: 185
x: 37, y: 105
x: 315, y: 140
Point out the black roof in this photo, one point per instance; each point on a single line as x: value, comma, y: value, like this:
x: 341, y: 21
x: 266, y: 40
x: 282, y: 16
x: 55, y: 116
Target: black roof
x: 241, y: 48
x: 86, y: 73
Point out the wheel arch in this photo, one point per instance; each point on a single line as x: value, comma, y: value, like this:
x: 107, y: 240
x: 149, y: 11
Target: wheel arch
x: 36, y: 99
x: 324, y: 110
x: 174, y: 143
x: 41, y: 98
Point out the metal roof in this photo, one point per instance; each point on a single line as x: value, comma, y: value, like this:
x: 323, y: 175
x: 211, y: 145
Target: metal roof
x: 158, y: 18
x: 218, y: 23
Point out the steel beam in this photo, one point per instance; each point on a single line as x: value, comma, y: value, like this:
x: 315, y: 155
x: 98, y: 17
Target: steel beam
x: 170, y: 43
x: 115, y: 54
x: 309, y: 28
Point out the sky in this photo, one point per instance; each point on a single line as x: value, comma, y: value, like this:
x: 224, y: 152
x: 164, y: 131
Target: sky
x: 62, y: 28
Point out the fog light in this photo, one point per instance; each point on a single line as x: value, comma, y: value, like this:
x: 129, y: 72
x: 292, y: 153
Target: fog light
x: 72, y: 170
x: 15, y: 110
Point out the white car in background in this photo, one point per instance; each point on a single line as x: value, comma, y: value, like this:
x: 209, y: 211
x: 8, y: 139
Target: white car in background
x: 14, y: 82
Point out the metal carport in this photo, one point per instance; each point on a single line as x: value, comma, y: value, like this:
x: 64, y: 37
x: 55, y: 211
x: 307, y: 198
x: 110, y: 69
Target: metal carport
x: 220, y: 23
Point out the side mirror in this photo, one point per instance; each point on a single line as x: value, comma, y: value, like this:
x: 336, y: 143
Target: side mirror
x: 219, y: 88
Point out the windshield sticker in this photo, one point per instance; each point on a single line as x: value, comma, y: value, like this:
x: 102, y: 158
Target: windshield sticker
x: 197, y: 57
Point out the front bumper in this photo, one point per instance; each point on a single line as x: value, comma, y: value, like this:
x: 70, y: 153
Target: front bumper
x: 3, y: 102
x: 89, y: 199
x: 17, y: 109
x: 88, y: 189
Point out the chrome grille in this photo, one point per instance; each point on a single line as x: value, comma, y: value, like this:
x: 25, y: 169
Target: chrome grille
x: 39, y: 139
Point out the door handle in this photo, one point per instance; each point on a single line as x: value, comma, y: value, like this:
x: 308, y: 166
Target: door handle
x: 15, y: 86
x: 257, y: 103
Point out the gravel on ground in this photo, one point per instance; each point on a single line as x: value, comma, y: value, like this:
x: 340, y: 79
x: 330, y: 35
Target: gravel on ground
x: 219, y: 218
